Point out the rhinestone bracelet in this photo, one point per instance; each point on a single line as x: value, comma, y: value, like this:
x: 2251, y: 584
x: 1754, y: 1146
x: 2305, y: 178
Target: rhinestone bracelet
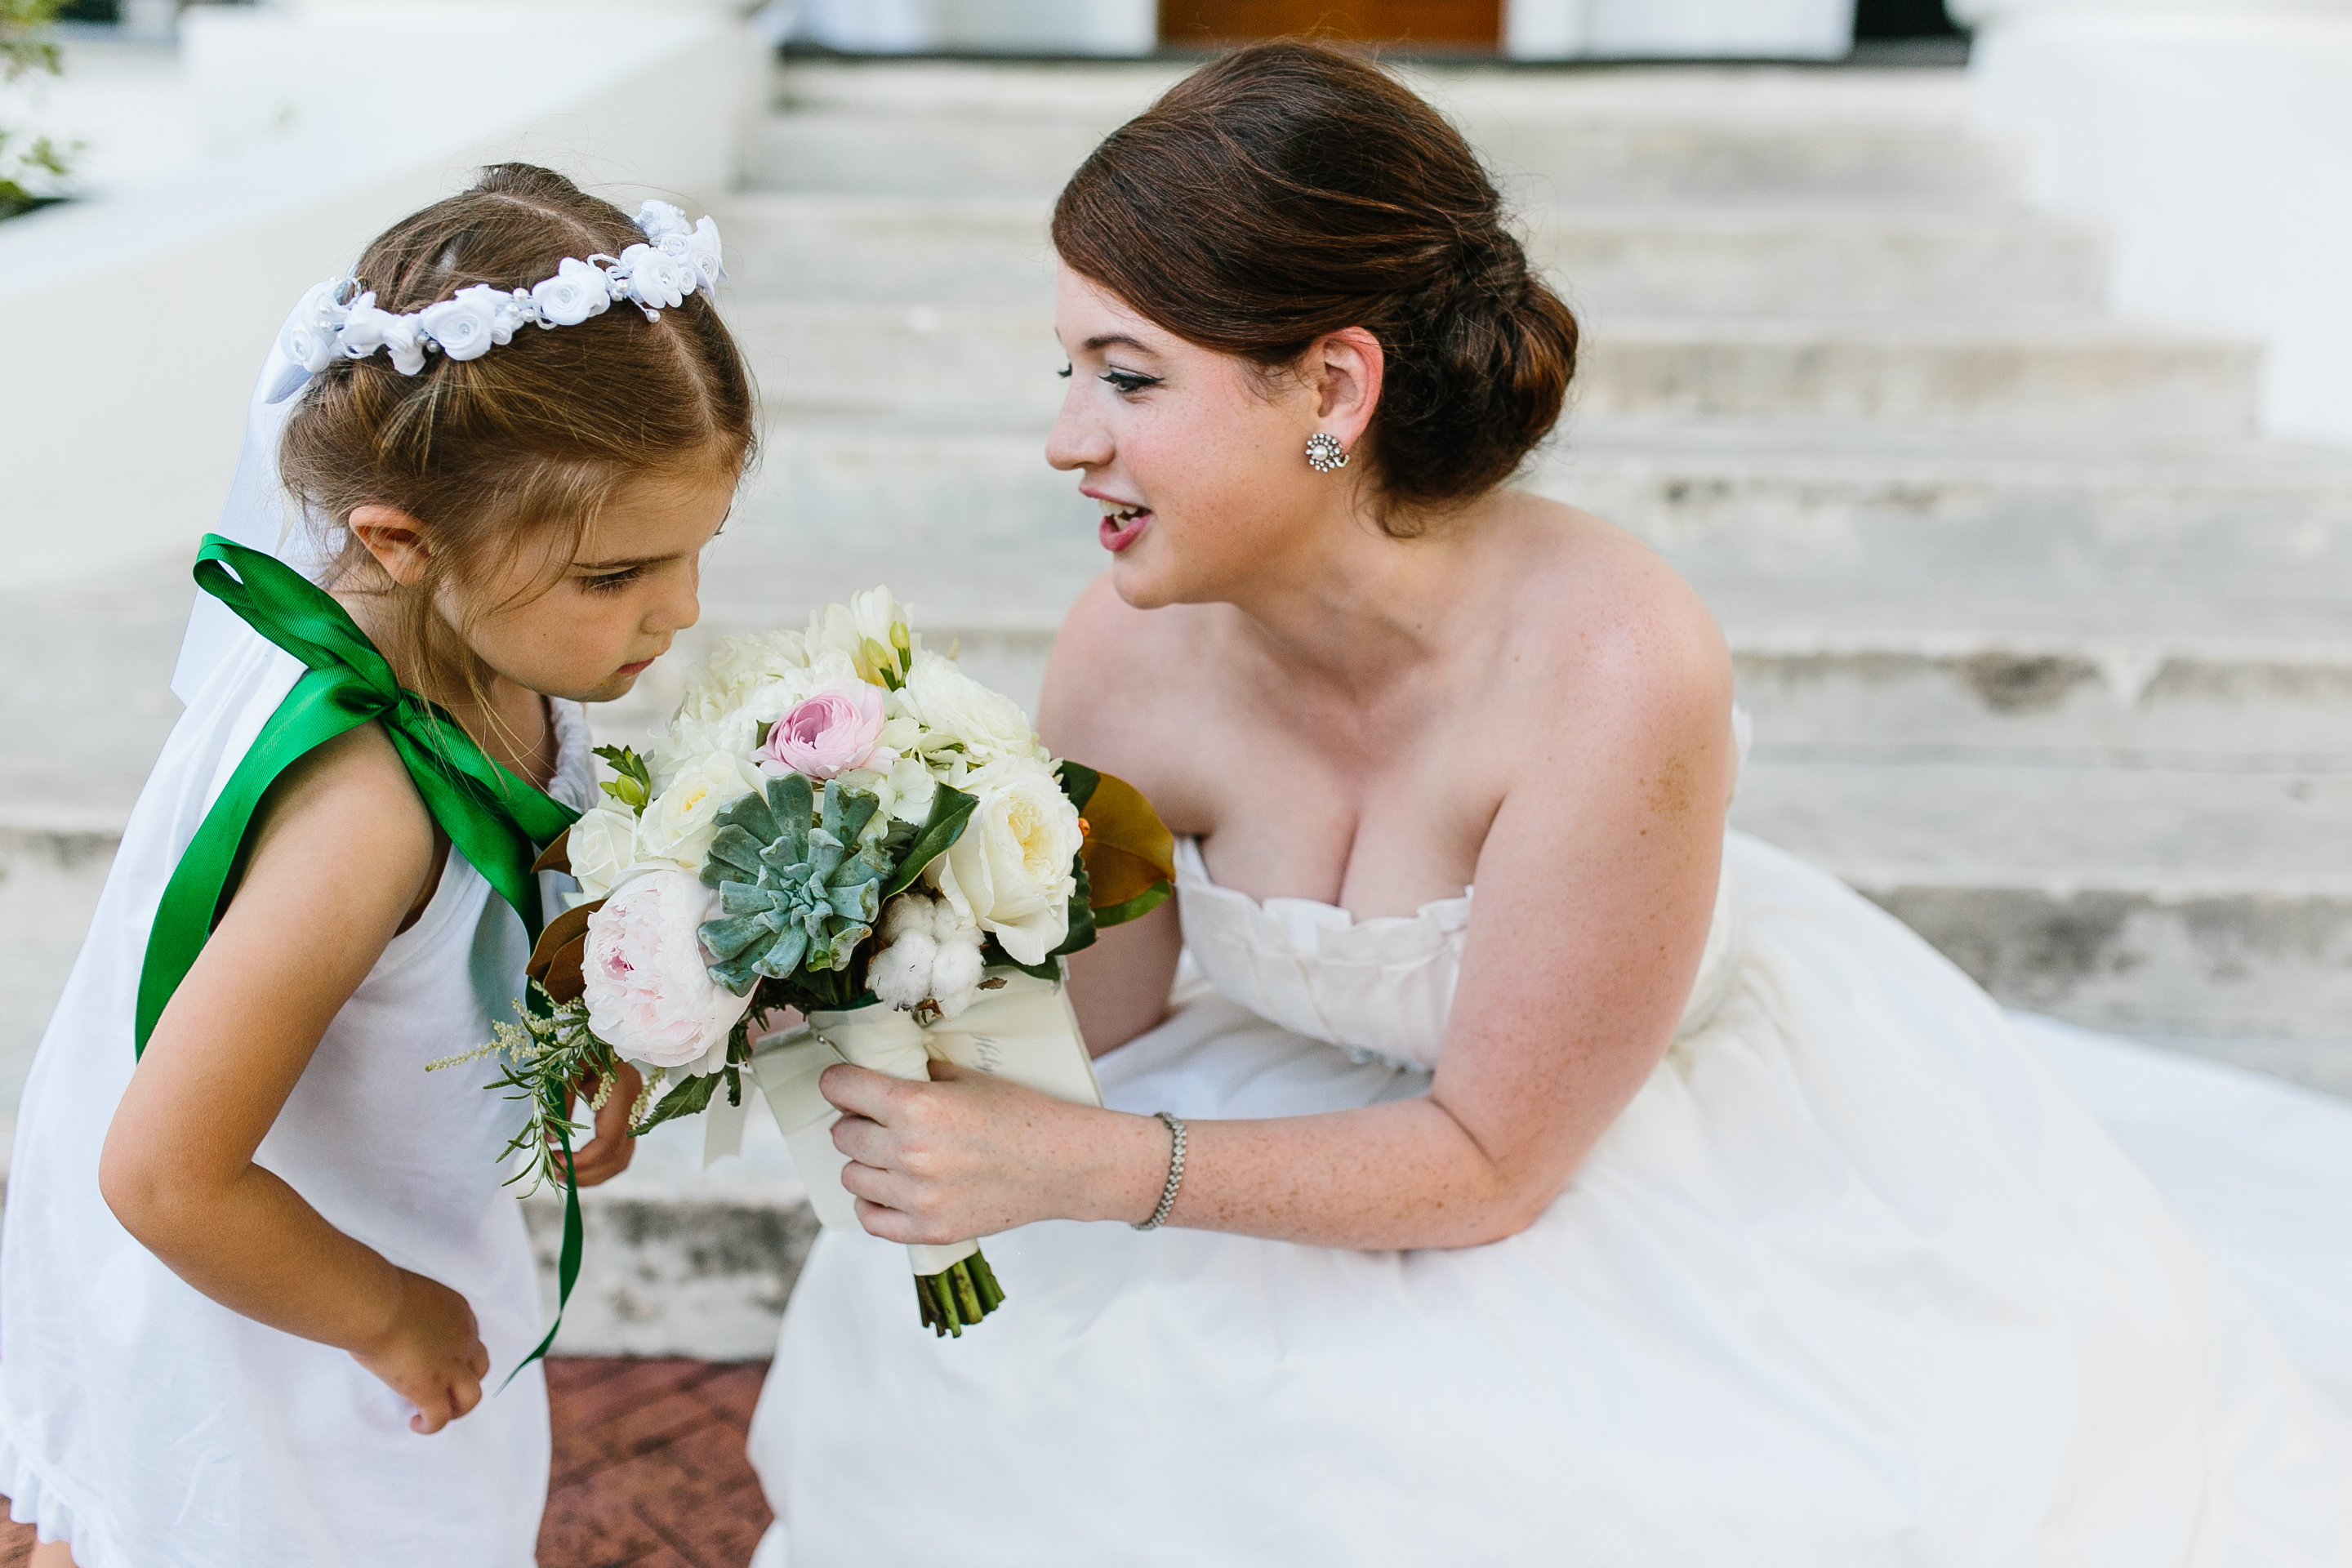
x: 1175, y: 1170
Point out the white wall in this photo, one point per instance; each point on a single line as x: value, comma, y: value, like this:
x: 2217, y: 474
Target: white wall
x: 1777, y: 29
x: 2213, y: 140
x: 138, y: 320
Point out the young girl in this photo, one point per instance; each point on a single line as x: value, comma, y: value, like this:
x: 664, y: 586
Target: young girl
x: 253, y: 1285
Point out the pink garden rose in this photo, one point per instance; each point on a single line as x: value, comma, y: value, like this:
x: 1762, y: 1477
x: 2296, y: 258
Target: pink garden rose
x: 649, y: 995
x: 826, y: 736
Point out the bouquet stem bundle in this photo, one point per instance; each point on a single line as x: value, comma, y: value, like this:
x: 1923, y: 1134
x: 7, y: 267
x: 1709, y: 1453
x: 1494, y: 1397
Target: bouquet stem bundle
x: 962, y: 1296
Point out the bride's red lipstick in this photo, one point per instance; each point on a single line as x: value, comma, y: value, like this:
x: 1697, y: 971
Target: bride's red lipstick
x: 1118, y: 533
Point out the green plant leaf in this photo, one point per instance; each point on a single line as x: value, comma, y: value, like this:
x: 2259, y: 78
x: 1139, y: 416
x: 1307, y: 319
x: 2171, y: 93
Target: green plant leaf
x: 1136, y: 908
x: 686, y: 1099
x: 1079, y: 782
x: 950, y: 809
x: 634, y: 788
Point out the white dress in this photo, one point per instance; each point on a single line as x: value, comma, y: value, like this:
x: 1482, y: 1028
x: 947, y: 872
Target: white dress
x: 152, y: 1427
x: 1855, y: 1280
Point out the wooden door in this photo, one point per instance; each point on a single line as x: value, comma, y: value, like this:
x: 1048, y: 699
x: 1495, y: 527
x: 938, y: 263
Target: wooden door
x: 1447, y: 23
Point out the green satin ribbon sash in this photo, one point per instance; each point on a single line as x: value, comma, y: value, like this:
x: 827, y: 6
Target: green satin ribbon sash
x: 498, y: 820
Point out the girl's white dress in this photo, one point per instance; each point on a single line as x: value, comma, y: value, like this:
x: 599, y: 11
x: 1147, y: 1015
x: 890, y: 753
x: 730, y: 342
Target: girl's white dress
x: 149, y: 1427
x: 1855, y: 1280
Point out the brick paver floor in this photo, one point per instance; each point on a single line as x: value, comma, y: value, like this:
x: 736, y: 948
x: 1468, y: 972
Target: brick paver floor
x: 649, y: 1467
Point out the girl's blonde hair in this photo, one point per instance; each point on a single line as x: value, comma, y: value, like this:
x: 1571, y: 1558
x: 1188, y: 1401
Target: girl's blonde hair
x: 526, y: 443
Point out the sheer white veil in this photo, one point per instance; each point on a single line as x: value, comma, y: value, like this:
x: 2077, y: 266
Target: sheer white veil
x: 260, y: 516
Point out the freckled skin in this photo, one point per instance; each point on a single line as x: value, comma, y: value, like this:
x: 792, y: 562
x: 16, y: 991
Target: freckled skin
x: 1521, y: 696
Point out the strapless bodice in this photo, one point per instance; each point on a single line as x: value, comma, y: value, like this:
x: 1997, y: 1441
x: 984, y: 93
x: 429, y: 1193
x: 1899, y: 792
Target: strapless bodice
x: 1380, y: 988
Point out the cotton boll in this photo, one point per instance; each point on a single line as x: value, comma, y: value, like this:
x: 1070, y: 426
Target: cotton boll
x: 956, y: 972
x: 901, y: 974
x: 907, y: 911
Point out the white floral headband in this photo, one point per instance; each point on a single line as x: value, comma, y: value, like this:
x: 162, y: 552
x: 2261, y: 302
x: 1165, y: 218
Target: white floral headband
x: 335, y: 323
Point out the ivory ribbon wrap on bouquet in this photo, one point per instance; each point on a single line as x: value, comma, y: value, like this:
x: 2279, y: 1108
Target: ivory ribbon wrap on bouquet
x: 1023, y: 1031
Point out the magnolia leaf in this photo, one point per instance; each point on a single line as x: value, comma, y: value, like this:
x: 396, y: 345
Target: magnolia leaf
x: 555, y: 960
x: 1129, y: 850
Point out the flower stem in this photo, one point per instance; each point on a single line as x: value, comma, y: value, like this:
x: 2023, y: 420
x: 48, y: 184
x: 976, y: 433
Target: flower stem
x: 958, y: 1296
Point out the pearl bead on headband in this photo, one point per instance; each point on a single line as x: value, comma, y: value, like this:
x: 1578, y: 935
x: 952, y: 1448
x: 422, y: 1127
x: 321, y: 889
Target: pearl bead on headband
x: 335, y: 321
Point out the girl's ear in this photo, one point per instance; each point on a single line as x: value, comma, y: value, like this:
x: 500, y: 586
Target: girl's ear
x: 1345, y: 369
x: 395, y: 539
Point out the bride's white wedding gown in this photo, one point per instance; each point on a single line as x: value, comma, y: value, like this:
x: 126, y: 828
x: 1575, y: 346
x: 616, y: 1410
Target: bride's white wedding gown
x: 1855, y: 1280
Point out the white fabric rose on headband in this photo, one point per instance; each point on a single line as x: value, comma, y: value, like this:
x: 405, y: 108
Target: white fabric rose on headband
x: 577, y: 293
x: 370, y: 328
x: 659, y: 280
x: 308, y: 337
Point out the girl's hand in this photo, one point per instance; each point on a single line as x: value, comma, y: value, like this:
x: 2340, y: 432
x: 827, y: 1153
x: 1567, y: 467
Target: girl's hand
x: 432, y: 1356
x: 608, y: 1151
x: 970, y: 1154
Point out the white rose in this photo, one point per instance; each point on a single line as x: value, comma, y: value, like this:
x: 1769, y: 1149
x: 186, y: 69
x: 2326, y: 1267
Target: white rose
x: 577, y: 293
x: 688, y: 741
x: 738, y: 664
x: 466, y: 326
x: 870, y: 631
x: 658, y: 221
x: 307, y: 338
x: 657, y: 280
x: 1010, y: 872
x: 680, y: 822
x: 702, y: 250
x: 603, y: 848
x: 954, y: 707
x: 647, y: 978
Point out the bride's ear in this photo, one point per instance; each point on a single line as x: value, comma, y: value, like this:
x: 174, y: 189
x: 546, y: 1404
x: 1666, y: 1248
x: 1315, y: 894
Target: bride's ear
x: 1345, y: 369
x: 395, y: 539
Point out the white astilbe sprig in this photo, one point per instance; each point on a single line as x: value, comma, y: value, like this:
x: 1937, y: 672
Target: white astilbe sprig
x: 929, y: 956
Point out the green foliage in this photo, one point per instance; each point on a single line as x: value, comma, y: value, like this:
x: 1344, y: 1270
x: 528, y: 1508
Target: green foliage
x: 635, y: 787
x: 550, y: 1051
x: 27, y: 48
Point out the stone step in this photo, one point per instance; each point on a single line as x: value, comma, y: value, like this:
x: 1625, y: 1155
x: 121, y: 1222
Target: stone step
x: 1720, y: 499
x: 2045, y: 377
x: 939, y: 130
x: 1684, y: 259
x: 2127, y: 679
x: 2178, y: 905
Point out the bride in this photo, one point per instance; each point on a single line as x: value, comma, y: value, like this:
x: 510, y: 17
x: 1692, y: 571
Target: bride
x: 1660, y: 1202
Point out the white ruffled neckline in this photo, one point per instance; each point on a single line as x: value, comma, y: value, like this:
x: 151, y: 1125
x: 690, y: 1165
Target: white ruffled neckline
x: 1312, y: 918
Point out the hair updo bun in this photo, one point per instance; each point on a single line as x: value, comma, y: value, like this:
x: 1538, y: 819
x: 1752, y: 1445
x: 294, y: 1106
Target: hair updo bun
x: 1289, y: 190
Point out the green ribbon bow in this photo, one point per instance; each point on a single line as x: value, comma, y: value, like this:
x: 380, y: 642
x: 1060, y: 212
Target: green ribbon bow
x: 496, y: 819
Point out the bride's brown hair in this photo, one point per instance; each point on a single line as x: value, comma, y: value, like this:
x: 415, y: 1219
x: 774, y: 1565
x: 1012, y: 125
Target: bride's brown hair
x: 1291, y: 189
x: 528, y: 442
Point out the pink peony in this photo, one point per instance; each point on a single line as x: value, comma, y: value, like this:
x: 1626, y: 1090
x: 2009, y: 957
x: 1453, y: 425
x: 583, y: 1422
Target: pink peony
x: 649, y: 995
x: 826, y: 736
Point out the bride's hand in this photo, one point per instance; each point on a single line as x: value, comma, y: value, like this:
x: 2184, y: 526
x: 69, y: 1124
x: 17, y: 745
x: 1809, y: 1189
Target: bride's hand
x: 968, y: 1154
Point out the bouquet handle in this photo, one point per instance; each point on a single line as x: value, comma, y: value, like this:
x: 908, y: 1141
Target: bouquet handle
x: 1022, y: 1028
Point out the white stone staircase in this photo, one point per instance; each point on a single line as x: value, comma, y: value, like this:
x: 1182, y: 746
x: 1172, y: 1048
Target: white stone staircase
x: 2046, y: 651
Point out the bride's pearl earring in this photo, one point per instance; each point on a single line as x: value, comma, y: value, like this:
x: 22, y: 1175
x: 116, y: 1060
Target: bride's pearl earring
x: 1323, y: 452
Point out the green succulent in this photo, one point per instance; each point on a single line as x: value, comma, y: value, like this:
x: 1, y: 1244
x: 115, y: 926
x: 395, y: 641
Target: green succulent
x: 792, y: 886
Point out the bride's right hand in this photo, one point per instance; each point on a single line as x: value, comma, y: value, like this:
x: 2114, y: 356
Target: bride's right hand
x: 970, y: 1154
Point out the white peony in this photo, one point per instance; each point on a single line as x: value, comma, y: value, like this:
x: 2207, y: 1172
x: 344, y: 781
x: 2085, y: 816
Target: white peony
x: 577, y: 293
x: 603, y: 848
x: 927, y: 951
x: 647, y: 985
x: 736, y: 667
x: 870, y: 631
x: 679, y: 823
x: 987, y: 724
x: 1010, y: 872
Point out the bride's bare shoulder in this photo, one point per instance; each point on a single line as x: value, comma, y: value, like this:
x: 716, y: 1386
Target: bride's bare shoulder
x: 1594, y: 615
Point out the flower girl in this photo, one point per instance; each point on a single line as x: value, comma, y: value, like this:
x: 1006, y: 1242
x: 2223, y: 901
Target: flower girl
x: 258, y: 1263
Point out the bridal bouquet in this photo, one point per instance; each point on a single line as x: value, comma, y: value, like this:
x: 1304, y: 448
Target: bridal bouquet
x: 837, y: 821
